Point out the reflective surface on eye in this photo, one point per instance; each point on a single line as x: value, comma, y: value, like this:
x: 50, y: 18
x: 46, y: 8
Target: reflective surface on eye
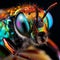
x: 48, y: 20
x: 22, y: 23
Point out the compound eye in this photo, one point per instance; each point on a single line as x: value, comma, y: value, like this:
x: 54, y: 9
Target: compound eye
x: 22, y: 23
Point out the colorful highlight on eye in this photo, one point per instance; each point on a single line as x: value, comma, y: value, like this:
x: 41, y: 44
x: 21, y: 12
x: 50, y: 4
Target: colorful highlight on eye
x: 48, y: 20
x: 21, y: 19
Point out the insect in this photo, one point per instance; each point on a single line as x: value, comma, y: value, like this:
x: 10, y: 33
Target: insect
x: 30, y: 24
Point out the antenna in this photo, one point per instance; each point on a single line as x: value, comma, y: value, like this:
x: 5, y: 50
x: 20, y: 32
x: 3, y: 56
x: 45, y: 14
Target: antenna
x: 49, y: 8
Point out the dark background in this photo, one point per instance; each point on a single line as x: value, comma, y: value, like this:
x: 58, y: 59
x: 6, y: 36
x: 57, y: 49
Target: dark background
x: 55, y: 30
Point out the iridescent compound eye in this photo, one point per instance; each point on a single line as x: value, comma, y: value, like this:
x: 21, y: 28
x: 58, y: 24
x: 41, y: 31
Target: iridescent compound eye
x: 22, y: 24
